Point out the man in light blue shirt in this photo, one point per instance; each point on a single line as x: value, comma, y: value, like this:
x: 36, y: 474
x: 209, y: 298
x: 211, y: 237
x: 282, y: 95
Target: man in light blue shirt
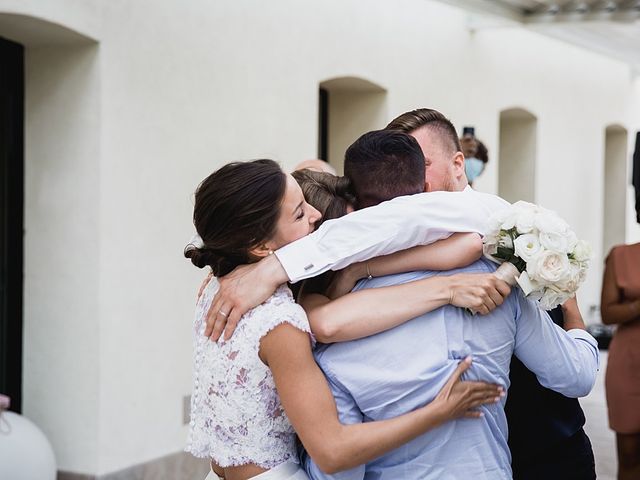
x: 397, y: 371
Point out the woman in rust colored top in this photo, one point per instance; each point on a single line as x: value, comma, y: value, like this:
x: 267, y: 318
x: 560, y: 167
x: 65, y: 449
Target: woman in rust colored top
x: 621, y: 306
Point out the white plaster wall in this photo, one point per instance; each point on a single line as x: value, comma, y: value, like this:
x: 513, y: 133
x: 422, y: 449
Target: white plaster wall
x: 187, y: 86
x: 62, y: 243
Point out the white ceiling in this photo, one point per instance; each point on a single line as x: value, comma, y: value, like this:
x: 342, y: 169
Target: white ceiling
x: 610, y: 27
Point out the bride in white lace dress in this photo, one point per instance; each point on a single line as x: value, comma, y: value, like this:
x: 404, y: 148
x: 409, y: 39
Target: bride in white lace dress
x: 255, y: 391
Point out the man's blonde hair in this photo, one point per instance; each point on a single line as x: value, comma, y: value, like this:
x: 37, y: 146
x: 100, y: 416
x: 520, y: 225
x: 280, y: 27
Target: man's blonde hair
x: 411, y: 121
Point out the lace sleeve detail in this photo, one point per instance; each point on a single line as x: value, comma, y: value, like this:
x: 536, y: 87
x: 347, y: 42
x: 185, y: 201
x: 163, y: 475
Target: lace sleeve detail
x: 279, y: 309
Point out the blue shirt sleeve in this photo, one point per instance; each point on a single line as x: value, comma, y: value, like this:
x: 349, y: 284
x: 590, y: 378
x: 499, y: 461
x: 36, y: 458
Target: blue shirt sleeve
x: 348, y: 413
x: 566, y: 362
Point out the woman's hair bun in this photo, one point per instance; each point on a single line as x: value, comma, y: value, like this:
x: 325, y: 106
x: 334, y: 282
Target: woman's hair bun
x: 220, y: 263
x: 199, y: 256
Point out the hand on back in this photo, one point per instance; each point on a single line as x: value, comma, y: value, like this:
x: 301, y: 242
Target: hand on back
x: 459, y: 398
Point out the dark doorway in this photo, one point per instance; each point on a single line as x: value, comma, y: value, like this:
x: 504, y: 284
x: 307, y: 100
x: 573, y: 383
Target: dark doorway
x: 11, y: 218
x: 323, y: 124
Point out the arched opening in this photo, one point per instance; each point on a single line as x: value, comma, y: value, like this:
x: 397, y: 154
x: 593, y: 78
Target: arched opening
x: 349, y: 107
x: 517, y: 155
x: 59, y: 208
x: 615, y: 187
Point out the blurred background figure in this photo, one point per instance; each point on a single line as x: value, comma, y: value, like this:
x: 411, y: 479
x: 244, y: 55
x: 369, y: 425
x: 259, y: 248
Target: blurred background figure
x: 621, y: 306
x: 316, y: 165
x: 475, y: 153
x: 546, y: 435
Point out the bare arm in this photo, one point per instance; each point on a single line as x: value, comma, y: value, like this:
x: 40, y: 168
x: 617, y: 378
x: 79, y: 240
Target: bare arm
x: 217, y: 469
x: 310, y: 406
x: 370, y: 311
x: 459, y: 250
x: 613, y: 309
x: 572, y: 316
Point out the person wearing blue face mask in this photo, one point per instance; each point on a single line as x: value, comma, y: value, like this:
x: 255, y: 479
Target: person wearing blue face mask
x: 473, y: 167
x: 475, y: 155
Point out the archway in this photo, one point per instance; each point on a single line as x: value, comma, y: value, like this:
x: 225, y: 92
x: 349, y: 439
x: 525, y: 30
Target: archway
x: 59, y: 202
x: 517, y: 155
x: 349, y: 107
x: 615, y: 187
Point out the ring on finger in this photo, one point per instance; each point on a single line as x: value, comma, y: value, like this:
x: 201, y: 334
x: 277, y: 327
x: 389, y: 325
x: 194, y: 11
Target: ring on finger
x: 223, y: 313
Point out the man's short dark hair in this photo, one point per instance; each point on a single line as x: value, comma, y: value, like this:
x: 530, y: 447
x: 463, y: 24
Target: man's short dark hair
x: 411, y: 121
x: 384, y: 164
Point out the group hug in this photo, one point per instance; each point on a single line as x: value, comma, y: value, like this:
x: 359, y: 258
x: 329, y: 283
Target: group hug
x: 351, y: 327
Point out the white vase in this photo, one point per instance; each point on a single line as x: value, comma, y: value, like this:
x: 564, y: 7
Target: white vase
x: 25, y: 453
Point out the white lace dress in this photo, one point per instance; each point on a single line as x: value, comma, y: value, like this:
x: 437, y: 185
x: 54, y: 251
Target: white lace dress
x: 236, y: 414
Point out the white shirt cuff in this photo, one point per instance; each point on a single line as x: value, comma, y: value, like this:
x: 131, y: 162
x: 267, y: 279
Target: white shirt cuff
x: 301, y: 259
x: 578, y: 333
x: 584, y: 335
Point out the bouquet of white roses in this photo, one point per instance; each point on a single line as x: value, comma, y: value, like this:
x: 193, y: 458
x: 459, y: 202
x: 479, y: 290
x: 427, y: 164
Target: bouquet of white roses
x: 539, y: 251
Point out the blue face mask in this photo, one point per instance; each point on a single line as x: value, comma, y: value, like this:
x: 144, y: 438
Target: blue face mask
x: 473, y: 167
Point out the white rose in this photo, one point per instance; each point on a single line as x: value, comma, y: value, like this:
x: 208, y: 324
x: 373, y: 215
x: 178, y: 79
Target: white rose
x: 549, y: 222
x: 558, y: 242
x: 572, y: 240
x: 548, y: 267
x: 552, y: 298
x: 527, y: 246
x: 575, y: 278
x: 523, y: 206
x: 582, y: 251
x: 526, y: 221
x: 494, y: 224
x: 510, y: 219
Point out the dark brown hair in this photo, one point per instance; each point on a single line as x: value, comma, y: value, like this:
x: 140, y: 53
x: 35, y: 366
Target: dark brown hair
x: 384, y: 164
x: 482, y: 153
x: 327, y: 193
x: 410, y: 121
x: 236, y: 209
x: 331, y: 196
